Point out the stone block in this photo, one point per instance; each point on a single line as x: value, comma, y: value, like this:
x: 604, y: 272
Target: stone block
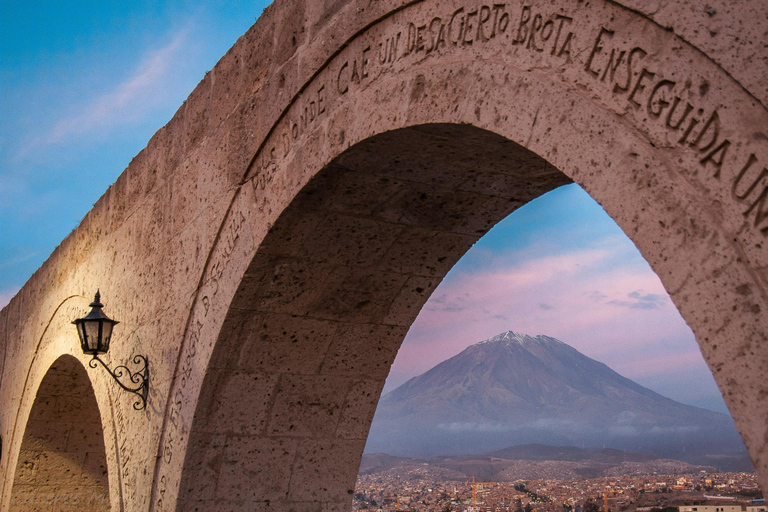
x: 359, y: 407
x: 291, y: 30
x: 202, y: 466
x: 307, y: 405
x: 426, y: 252
x: 46, y: 435
x: 444, y: 210
x: 239, y: 141
x: 80, y: 408
x: 240, y: 403
x: 226, y: 86
x: 85, y: 437
x: 345, y: 191
x: 325, y: 470
x: 257, y: 45
x: 292, y: 286
x: 287, y: 238
x: 409, y: 300
x: 55, y: 467
x: 256, y: 469
x: 348, y: 241
x: 363, y: 349
x: 357, y: 296
x: 285, y: 343
x: 45, y: 409
x: 197, y: 114
x: 95, y: 470
x: 27, y: 467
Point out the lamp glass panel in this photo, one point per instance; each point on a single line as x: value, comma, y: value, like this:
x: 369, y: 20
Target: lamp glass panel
x: 92, y: 333
x: 106, y: 335
x: 81, y: 332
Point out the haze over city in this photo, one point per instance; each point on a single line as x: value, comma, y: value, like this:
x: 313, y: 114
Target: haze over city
x: 85, y: 86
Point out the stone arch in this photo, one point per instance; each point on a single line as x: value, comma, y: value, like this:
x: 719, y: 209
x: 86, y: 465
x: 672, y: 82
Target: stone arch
x: 669, y: 185
x: 62, y: 464
x: 327, y: 301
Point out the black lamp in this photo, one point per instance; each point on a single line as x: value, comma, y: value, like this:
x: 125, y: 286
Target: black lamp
x: 95, y: 331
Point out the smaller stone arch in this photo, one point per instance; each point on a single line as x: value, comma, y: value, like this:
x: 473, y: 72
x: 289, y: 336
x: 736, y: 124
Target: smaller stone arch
x: 62, y: 463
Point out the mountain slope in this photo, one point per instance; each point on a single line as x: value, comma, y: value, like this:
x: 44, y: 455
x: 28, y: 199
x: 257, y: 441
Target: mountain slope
x: 514, y: 389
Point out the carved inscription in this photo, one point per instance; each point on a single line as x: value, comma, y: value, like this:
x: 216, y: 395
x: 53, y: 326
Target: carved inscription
x: 696, y: 127
x: 544, y: 34
x: 309, y: 113
x: 625, y: 74
x: 176, y: 430
x: 624, y: 70
x: 355, y: 72
x: 746, y: 189
x: 463, y: 27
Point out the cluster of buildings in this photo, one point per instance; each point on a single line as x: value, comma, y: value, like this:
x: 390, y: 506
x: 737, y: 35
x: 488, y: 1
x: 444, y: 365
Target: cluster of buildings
x: 722, y: 492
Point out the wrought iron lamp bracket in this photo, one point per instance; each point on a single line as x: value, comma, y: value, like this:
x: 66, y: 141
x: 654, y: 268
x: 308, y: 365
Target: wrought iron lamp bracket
x: 140, y: 378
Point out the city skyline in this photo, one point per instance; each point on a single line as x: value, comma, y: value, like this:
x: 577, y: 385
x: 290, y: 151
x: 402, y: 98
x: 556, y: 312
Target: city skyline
x: 86, y: 86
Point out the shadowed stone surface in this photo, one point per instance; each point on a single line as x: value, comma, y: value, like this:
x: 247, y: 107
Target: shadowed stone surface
x: 270, y: 247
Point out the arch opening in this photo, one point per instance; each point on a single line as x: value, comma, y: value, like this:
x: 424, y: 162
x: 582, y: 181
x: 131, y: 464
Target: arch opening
x: 318, y: 318
x: 62, y: 463
x: 464, y: 383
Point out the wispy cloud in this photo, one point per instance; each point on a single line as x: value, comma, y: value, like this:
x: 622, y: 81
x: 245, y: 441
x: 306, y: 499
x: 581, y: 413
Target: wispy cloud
x: 518, y: 290
x: 125, y: 103
x: 590, y: 298
x: 638, y: 300
x: 17, y: 259
x: 658, y: 364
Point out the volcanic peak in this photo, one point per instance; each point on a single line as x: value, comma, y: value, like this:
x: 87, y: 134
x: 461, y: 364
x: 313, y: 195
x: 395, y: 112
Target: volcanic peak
x: 517, y: 389
x: 510, y: 338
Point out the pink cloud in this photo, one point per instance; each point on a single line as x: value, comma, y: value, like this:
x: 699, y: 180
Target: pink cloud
x: 609, y: 315
x: 661, y: 364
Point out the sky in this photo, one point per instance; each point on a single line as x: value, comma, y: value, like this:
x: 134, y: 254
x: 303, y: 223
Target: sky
x: 84, y: 85
x: 560, y: 266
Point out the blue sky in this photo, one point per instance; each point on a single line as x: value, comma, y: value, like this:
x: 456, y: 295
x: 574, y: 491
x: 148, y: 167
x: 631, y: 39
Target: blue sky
x: 84, y: 85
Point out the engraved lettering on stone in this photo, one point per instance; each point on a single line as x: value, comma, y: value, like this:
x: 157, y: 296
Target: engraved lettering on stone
x: 699, y: 128
x: 759, y: 203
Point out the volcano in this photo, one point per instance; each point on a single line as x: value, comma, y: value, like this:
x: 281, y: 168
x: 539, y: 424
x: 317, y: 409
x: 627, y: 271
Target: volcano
x: 517, y: 389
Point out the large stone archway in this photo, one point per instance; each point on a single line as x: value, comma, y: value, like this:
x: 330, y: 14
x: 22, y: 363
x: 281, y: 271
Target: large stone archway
x: 324, y: 176
x: 326, y: 302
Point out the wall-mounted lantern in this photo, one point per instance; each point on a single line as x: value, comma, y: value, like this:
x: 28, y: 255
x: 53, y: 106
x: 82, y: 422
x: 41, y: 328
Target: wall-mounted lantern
x: 95, y: 331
